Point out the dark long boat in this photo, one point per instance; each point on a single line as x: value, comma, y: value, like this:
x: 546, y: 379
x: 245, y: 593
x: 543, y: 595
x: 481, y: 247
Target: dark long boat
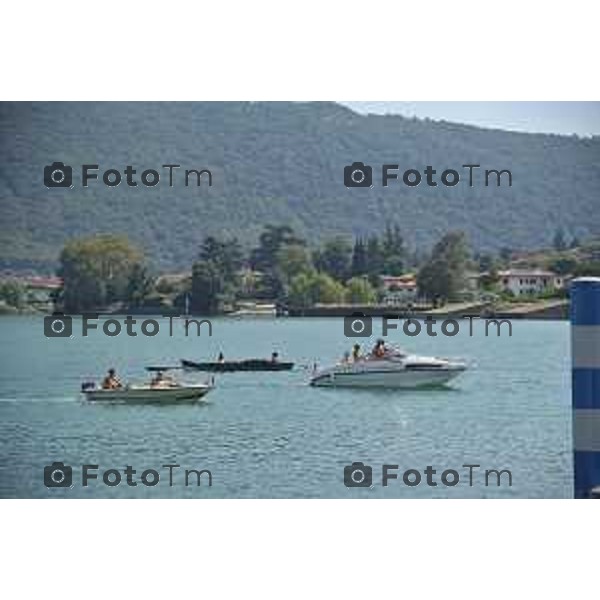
x: 230, y: 366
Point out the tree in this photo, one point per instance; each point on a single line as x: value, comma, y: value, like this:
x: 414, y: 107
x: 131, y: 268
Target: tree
x: 292, y: 260
x: 216, y: 275
x: 394, y: 252
x: 486, y: 262
x: 559, y: 242
x: 335, y: 258
x: 264, y: 258
x: 273, y: 238
x: 207, y: 288
x: 375, y: 258
x: 506, y: 255
x: 563, y: 266
x: 360, y: 291
x: 96, y: 271
x: 225, y: 254
x: 139, y: 286
x: 359, y: 259
x: 443, y: 275
x: 312, y: 287
x: 13, y: 293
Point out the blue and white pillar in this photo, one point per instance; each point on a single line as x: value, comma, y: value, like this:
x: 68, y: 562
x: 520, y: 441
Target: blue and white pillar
x: 585, y: 350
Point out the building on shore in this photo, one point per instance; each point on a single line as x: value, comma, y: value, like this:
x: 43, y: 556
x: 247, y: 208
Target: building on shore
x: 399, y: 290
x: 526, y: 282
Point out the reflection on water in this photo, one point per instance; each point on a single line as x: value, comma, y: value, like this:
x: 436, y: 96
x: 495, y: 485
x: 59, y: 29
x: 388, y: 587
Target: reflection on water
x: 272, y: 435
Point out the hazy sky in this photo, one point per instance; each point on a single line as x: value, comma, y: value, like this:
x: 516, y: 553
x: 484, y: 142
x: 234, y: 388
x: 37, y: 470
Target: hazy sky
x: 582, y: 118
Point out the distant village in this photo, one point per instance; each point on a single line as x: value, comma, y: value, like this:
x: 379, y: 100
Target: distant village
x: 288, y: 280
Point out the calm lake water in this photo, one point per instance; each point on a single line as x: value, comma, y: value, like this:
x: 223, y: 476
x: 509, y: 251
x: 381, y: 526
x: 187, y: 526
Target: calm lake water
x: 270, y: 434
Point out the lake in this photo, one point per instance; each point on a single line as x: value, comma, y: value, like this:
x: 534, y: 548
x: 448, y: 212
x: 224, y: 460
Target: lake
x: 270, y: 435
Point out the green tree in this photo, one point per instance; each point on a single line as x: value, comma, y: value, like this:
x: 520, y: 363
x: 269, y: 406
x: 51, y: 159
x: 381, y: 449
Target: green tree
x: 96, y: 271
x: 375, y: 257
x: 225, y: 254
x: 264, y: 258
x: 292, y: 260
x: 312, y: 287
x: 394, y: 252
x: 563, y: 265
x: 559, y: 242
x: 13, y: 293
x: 140, y: 286
x: 271, y: 240
x: 359, y: 259
x: 360, y: 291
x: 443, y: 275
x: 335, y: 258
x: 208, y: 288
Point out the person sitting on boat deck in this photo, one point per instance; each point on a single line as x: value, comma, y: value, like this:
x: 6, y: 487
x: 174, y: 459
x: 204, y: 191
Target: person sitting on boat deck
x: 111, y: 381
x: 274, y: 357
x: 379, y: 350
x: 220, y: 358
x: 356, y: 352
x: 161, y: 380
x: 157, y: 380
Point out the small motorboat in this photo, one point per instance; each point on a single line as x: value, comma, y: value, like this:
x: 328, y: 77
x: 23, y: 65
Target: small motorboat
x: 394, y: 370
x: 162, y: 389
x: 230, y: 366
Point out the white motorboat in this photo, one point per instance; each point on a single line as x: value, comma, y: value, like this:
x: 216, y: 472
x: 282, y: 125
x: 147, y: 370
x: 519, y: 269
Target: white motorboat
x: 162, y: 389
x: 394, y: 370
x: 149, y: 394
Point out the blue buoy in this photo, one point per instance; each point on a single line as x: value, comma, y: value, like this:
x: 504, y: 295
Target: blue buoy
x: 585, y: 352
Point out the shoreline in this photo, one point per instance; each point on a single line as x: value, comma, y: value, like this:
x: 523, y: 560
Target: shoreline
x: 557, y: 310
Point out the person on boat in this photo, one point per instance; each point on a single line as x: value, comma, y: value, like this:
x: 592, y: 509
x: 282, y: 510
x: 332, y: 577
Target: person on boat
x: 157, y: 380
x: 220, y: 358
x: 275, y: 357
x: 356, y: 352
x: 161, y: 380
x: 379, y: 350
x: 111, y: 381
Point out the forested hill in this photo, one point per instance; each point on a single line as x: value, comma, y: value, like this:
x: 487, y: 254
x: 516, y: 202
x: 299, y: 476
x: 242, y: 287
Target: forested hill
x: 278, y: 163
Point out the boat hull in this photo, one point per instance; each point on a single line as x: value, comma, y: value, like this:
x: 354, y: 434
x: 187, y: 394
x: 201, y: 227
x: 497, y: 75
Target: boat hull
x: 145, y: 395
x: 400, y: 379
x: 239, y: 365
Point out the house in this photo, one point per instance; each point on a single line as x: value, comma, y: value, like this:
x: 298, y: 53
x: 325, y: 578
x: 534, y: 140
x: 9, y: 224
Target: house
x: 527, y: 282
x: 399, y: 290
x: 40, y: 288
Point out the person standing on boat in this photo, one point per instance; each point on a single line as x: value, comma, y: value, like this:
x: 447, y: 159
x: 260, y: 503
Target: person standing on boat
x: 274, y: 357
x: 220, y: 358
x: 111, y: 381
x: 356, y: 352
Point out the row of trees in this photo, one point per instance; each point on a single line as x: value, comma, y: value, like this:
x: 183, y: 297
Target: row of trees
x: 103, y: 270
x: 290, y: 272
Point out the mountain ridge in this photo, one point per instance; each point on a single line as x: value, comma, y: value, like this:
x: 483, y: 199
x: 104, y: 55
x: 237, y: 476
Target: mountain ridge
x: 278, y: 163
